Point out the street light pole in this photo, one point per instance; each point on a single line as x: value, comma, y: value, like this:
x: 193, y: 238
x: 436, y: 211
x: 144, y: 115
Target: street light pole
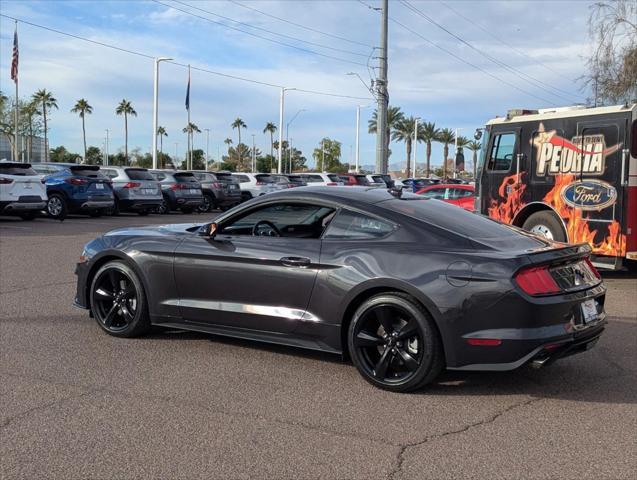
x: 281, y: 107
x: 207, y: 146
x: 254, y: 158
x: 155, y: 105
x: 175, y: 162
x: 358, y: 133
x: 413, y: 173
x: 287, y: 137
x: 106, y: 162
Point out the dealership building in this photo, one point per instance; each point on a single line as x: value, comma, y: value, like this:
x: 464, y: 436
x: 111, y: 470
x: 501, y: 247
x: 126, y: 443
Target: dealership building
x: 30, y: 149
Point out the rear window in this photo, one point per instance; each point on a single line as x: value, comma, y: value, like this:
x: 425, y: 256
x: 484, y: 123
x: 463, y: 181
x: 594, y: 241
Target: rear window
x: 313, y: 178
x: 449, y: 217
x: 334, y: 178
x: 184, y: 177
x: 265, y: 178
x: 20, y: 170
x: 225, y: 178
x: 139, y: 174
x: 86, y: 172
x: 242, y: 178
x: 159, y: 175
x: 361, y: 180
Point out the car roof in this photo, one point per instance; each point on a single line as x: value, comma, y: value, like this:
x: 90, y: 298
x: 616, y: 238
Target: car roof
x: 346, y: 195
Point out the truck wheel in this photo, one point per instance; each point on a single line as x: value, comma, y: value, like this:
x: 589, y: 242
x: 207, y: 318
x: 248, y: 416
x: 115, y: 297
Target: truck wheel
x: 545, y: 224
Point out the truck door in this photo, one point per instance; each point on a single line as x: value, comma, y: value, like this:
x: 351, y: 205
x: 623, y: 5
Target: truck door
x: 501, y: 184
x: 598, y: 193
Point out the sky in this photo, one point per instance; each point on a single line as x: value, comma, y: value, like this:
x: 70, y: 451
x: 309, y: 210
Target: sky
x: 481, y: 59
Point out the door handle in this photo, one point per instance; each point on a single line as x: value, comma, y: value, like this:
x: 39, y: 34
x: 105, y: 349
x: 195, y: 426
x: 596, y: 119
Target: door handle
x: 295, y: 261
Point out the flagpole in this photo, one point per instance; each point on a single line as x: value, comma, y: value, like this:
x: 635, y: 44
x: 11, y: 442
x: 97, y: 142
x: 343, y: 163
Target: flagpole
x: 17, y: 103
x: 189, y: 162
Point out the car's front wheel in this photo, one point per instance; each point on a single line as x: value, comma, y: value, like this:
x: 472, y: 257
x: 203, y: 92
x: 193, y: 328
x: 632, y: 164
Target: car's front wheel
x: 56, y: 206
x: 394, y: 343
x: 118, y: 302
x: 207, y: 205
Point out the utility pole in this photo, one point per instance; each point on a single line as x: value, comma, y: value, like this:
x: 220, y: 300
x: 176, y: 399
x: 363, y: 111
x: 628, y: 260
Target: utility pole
x: 413, y: 173
x: 381, y: 95
x: 207, y: 145
x: 175, y: 162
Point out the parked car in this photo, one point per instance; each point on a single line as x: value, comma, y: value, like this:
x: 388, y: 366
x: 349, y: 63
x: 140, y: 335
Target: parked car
x: 460, y: 195
x: 415, y: 184
x: 297, y: 180
x: 255, y: 184
x: 75, y: 188
x: 135, y: 189
x: 354, y: 179
x: 403, y: 285
x: 219, y: 191
x: 322, y: 179
x: 22, y: 191
x: 180, y: 191
x: 381, y: 179
x: 282, y: 181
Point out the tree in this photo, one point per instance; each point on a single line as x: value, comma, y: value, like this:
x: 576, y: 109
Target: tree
x: 459, y: 163
x: 404, y: 132
x: 394, y: 117
x: 161, y: 131
x: 328, y: 155
x: 228, y: 142
x: 61, y: 154
x: 475, y: 147
x: 190, y: 129
x: 29, y: 112
x: 45, y: 100
x: 613, y: 63
x: 94, y: 156
x: 82, y: 108
x: 238, y: 124
x: 271, y: 127
x: 125, y: 108
x: 446, y: 136
x: 428, y: 133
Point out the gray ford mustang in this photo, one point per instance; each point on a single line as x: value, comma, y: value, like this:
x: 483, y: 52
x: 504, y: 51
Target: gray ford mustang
x: 403, y: 285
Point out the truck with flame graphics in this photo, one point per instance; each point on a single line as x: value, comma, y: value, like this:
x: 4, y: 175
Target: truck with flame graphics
x: 569, y: 174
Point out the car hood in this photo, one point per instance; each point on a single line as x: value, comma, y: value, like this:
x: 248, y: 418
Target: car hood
x: 156, y: 230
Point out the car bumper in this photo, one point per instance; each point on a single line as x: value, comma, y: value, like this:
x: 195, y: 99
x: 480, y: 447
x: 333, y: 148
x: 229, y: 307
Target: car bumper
x: 92, y: 204
x: 81, y: 294
x: 188, y: 202
x: 142, y: 204
x: 22, y: 207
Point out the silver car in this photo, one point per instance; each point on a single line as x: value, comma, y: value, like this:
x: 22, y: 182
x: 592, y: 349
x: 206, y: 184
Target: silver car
x: 135, y: 189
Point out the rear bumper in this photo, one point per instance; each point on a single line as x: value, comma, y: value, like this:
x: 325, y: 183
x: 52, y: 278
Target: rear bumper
x: 87, y: 204
x: 188, y: 201
x: 22, y: 207
x: 130, y: 204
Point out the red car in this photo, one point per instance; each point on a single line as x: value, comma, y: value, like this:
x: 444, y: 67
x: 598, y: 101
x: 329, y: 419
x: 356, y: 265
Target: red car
x: 458, y: 194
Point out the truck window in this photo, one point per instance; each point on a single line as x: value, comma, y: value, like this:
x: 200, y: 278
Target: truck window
x: 633, y: 148
x: 502, y: 152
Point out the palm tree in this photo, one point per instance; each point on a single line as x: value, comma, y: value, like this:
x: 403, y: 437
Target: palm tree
x: 238, y: 124
x: 228, y: 141
x: 394, y: 117
x: 125, y: 108
x: 190, y: 129
x: 428, y: 133
x: 475, y: 147
x: 83, y: 108
x: 161, y: 131
x: 404, y: 132
x: 446, y: 136
x: 47, y: 100
x: 461, y: 142
x: 270, y: 127
x: 29, y: 111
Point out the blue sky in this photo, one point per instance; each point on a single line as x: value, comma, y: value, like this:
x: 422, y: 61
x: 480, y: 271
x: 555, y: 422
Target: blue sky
x: 543, y: 41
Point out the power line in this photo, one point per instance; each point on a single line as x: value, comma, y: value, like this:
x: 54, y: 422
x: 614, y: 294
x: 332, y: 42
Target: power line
x: 301, y: 26
x: 152, y: 57
x: 320, y: 45
x: 296, y: 47
x: 529, y: 79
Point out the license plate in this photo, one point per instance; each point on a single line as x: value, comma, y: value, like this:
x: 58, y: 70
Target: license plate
x: 99, y: 186
x: 148, y: 191
x: 232, y: 187
x: 589, y: 310
x: 28, y: 186
x: 194, y: 191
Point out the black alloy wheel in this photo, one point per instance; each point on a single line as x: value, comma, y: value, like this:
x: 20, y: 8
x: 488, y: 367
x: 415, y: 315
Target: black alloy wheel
x: 163, y: 207
x: 118, y: 302
x: 394, y: 344
x: 207, y: 205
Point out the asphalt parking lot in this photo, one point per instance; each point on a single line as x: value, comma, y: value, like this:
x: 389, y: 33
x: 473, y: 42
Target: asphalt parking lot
x: 77, y: 403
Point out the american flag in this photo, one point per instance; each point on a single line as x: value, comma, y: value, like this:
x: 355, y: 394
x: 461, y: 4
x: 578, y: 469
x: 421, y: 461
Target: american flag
x: 14, y: 62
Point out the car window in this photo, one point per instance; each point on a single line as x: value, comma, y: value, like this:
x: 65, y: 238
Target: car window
x: 86, y: 172
x: 361, y: 180
x: 502, y: 152
x: 109, y: 172
x: 20, y: 170
x: 139, y: 174
x: 334, y: 178
x: 159, y: 175
x: 353, y: 225
x: 265, y: 178
x: 291, y: 219
x: 313, y: 178
x: 438, y: 193
x: 242, y: 178
x: 184, y: 177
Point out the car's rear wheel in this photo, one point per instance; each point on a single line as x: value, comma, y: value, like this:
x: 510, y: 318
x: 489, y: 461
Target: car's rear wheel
x: 163, y: 207
x: 545, y: 224
x: 207, y: 205
x: 56, y: 206
x: 118, y: 302
x: 394, y: 344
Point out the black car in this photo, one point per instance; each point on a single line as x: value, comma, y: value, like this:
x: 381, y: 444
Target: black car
x: 219, y: 192
x: 405, y: 286
x: 180, y: 191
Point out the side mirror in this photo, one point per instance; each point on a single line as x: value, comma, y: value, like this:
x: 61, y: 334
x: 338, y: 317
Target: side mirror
x: 208, y: 230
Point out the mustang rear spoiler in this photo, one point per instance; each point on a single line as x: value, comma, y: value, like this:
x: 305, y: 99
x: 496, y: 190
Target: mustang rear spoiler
x: 559, y: 255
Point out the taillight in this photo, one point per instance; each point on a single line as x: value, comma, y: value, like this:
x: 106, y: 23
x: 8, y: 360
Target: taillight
x: 216, y: 185
x: 592, y: 267
x: 5, y: 181
x: 484, y: 342
x: 331, y: 184
x: 536, y: 281
x: 260, y: 183
x: 179, y: 186
x: 76, y: 181
x: 132, y: 185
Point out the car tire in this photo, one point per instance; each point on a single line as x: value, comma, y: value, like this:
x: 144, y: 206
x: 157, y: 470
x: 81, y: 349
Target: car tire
x: 163, y: 208
x: 118, y: 301
x: 56, y: 206
x: 187, y: 210
x: 545, y: 224
x: 394, y: 343
x: 207, y: 205
x: 28, y: 216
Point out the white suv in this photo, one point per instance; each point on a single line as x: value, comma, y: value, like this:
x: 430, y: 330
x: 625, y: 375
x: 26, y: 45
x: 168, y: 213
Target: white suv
x: 322, y: 179
x: 22, y: 192
x: 255, y: 184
